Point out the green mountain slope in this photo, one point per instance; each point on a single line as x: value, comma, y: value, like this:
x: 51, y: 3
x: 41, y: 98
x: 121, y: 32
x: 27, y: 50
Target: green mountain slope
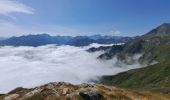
x: 155, y: 46
x: 154, y: 76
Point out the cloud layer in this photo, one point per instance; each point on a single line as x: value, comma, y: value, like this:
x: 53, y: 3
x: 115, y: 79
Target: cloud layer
x: 13, y: 6
x: 33, y: 66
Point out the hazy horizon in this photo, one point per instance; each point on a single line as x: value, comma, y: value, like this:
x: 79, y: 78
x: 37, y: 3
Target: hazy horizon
x: 62, y: 35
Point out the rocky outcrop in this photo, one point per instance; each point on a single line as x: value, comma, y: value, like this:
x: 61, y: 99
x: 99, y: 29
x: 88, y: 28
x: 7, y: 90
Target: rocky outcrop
x: 67, y: 91
x: 91, y: 96
x: 11, y: 97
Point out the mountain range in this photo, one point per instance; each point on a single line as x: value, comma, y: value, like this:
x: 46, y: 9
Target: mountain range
x: 153, y: 46
x: 151, y: 82
x: 44, y: 39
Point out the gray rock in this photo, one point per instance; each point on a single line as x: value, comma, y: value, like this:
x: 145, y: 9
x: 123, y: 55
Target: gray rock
x: 11, y: 97
x: 91, y: 96
x: 65, y: 91
x: 30, y: 94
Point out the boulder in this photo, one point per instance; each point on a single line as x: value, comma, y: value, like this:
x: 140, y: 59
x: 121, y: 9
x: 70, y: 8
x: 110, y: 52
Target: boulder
x: 91, y: 96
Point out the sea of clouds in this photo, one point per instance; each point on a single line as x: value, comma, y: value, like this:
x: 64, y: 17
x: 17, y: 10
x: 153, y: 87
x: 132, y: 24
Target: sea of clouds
x: 33, y: 66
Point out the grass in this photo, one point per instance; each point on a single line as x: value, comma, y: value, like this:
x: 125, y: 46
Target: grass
x: 36, y: 97
x: 155, y: 76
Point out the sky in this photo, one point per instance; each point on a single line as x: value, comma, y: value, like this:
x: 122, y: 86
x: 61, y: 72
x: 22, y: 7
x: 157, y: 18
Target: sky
x: 82, y: 17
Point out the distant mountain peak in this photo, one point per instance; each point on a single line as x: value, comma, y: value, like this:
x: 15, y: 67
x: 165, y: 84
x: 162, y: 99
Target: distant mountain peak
x: 165, y: 24
x: 162, y: 30
x: 44, y: 39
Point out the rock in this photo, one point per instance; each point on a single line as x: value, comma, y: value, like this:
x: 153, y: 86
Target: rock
x: 17, y: 90
x: 30, y: 94
x: 65, y: 91
x: 11, y: 97
x: 50, y: 86
x: 91, y: 96
x: 84, y: 85
x: 63, y: 83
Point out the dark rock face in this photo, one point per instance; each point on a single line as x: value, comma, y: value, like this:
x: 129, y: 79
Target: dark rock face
x: 114, y: 50
x: 101, y: 48
x: 91, y: 96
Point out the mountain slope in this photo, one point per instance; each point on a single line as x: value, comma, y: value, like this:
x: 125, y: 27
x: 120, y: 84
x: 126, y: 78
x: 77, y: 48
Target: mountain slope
x: 66, y: 91
x: 162, y: 30
x: 154, y: 76
x: 155, y: 46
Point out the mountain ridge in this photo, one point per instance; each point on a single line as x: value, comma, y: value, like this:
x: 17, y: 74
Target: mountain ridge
x: 163, y: 29
x: 67, y: 91
x: 43, y: 39
x: 154, y: 47
x: 147, y: 43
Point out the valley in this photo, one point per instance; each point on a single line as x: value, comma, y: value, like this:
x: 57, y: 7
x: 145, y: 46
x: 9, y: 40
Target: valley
x: 141, y: 66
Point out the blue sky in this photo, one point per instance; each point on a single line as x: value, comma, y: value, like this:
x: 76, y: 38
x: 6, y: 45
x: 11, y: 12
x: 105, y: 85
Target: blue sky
x: 82, y: 17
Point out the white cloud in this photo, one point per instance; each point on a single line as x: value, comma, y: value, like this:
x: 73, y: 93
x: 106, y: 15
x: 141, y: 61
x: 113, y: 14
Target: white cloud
x: 115, y: 33
x: 12, y: 6
x: 33, y: 66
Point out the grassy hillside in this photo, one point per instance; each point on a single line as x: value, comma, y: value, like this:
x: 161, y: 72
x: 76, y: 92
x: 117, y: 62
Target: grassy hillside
x: 155, y: 76
x: 155, y: 46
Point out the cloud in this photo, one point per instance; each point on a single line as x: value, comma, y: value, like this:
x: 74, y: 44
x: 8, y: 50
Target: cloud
x: 33, y: 66
x: 115, y: 33
x: 12, y: 6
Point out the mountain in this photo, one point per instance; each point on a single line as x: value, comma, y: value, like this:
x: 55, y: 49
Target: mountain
x: 67, y: 91
x: 154, y: 46
x: 80, y: 41
x: 35, y: 40
x: 86, y: 40
x: 2, y: 38
x: 162, y: 30
x: 148, y: 83
x: 43, y: 39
